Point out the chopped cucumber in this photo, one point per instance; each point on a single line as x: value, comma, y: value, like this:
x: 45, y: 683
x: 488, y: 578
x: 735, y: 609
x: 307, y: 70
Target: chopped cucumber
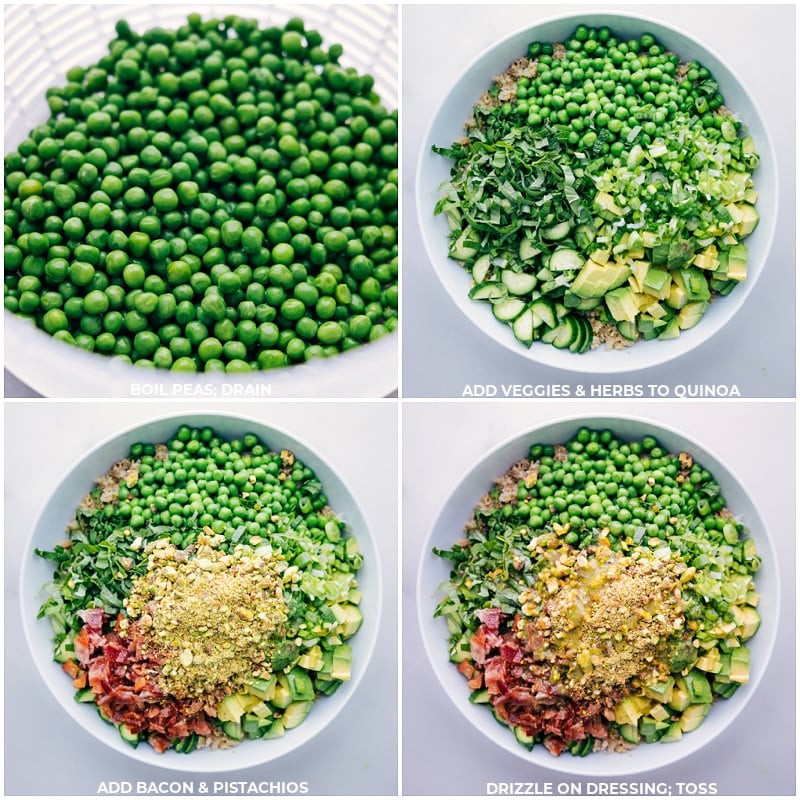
x: 523, y: 327
x: 518, y: 283
x: 465, y: 247
x: 479, y: 696
x: 558, y: 231
x: 527, y: 740
x: 564, y: 258
x: 490, y: 290
x: 542, y: 313
x: 528, y: 250
x: 509, y: 309
x: 128, y: 735
x: 481, y: 267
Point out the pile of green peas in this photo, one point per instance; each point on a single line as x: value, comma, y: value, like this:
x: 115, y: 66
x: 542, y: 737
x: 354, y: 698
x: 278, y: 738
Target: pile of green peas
x: 632, y: 490
x: 238, y: 487
x: 605, y: 90
x: 218, y: 198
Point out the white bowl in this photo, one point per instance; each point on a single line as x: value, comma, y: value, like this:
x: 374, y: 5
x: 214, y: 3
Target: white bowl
x: 447, y: 126
x: 49, y: 531
x: 456, y: 512
x: 41, y: 43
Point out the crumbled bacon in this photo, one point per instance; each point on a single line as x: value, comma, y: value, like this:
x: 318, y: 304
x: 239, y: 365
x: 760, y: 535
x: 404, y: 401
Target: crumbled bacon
x: 124, y: 686
x: 521, y: 693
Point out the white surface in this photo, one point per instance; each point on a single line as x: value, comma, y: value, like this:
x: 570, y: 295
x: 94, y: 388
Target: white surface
x: 755, y: 755
x: 457, y: 353
x: 359, y: 443
x: 41, y: 43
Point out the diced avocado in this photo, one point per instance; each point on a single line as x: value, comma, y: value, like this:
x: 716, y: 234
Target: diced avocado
x: 606, y: 206
x: 327, y: 687
x: 253, y: 726
x: 660, y: 253
x: 695, y: 283
x: 296, y: 713
x: 681, y: 253
x: 691, y: 314
x: 342, y: 658
x: 723, y: 287
x: 707, y: 259
x: 260, y: 711
x: 261, y: 687
x: 571, y: 300
x: 282, y: 696
x: 693, y: 716
x: 659, y: 713
x: 698, y: 687
x: 651, y: 730
x: 600, y: 256
x: 630, y: 709
x: 673, y: 733
x: 670, y: 331
x: 649, y: 327
x: 276, y: 730
x: 740, y: 665
x: 660, y: 691
x: 750, y: 219
x: 737, y: 262
x: 679, y: 699
x: 639, y: 269
x: 748, y: 620
x: 628, y: 329
x: 630, y: 733
x: 232, y: 708
x: 751, y: 196
x: 594, y: 279
x: 657, y: 282
x: 709, y: 661
x: 311, y: 659
x: 725, y: 690
x: 649, y: 305
x: 349, y: 618
x: 622, y: 304
x: 300, y: 684
x: 233, y: 730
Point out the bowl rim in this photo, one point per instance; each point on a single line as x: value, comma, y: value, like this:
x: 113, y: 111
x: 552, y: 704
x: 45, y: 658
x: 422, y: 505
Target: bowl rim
x: 369, y: 371
x: 563, y: 360
x: 48, y: 671
x: 426, y: 599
